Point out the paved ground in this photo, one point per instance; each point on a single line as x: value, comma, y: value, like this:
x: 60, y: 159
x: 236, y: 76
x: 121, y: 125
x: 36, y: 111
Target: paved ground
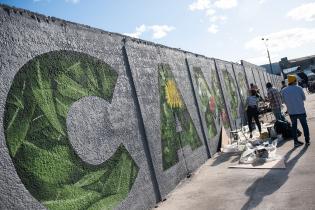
x: 215, y: 186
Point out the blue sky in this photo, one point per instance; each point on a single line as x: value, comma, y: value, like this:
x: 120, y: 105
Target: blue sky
x: 225, y: 29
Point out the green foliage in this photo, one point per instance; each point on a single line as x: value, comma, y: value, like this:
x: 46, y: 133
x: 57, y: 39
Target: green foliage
x: 71, y: 197
x: 177, y: 128
x: 43, y: 94
x: 36, y: 134
x: 232, y: 92
x: 107, y: 203
x: 208, y: 103
x: 242, y: 85
x: 220, y: 107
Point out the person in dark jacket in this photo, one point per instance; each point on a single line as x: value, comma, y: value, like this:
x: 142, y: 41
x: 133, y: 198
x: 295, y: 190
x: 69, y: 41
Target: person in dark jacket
x: 304, y: 78
x: 252, y: 111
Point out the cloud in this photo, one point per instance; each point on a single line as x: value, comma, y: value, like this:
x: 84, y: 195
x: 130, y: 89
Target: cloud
x: 218, y: 18
x: 263, y: 58
x: 209, y: 7
x: 213, y: 29
x: 207, y: 4
x: 303, y: 12
x: 210, y: 12
x: 38, y: 1
x: 251, y: 29
x: 158, y: 31
x: 73, y: 1
x: 225, y: 4
x: 199, y: 5
x: 139, y: 31
x: 261, y: 1
x: 283, y: 40
x: 214, y: 18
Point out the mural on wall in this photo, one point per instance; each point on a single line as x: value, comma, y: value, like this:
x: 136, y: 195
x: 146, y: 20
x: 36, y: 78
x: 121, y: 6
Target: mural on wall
x: 258, y: 82
x: 216, y: 90
x: 241, y: 79
x: 231, y: 91
x: 243, y: 91
x: 36, y: 133
x: 249, y: 76
x: 177, y: 128
x: 262, y: 80
x: 208, y: 102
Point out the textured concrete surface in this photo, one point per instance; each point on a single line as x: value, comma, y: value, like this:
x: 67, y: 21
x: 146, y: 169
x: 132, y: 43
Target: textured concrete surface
x: 257, y: 75
x: 215, y: 186
x: 249, y: 75
x: 262, y: 79
x: 230, y: 70
x: 226, y: 66
x: 207, y: 67
x: 96, y: 127
x: 144, y: 60
x: 176, y: 59
x: 258, y: 82
x: 22, y: 38
x: 242, y: 86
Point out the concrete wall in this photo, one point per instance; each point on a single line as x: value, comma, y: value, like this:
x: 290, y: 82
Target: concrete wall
x: 173, y: 154
x: 102, y: 120
x: 230, y: 90
x: 259, y: 82
x: 248, y: 72
x: 208, y: 95
x: 262, y: 79
x: 95, y: 127
x: 243, y: 86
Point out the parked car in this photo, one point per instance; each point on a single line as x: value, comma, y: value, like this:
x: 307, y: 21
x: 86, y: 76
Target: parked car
x: 310, y: 75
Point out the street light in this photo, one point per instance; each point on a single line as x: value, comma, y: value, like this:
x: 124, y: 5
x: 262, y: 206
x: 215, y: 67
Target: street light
x: 266, y: 45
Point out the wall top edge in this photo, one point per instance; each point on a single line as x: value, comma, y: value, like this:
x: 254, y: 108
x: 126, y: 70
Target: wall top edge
x: 64, y: 23
x: 37, y: 17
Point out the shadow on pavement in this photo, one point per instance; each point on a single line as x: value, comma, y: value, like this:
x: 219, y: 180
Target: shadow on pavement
x: 223, y: 157
x: 285, y: 141
x: 271, y: 182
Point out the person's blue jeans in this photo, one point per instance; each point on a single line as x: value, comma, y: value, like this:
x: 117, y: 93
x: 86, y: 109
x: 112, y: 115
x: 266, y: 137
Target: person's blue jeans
x: 303, y: 121
x: 278, y: 114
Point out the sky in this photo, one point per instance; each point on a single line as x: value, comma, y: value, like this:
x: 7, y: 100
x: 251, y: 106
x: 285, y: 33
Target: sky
x: 231, y: 30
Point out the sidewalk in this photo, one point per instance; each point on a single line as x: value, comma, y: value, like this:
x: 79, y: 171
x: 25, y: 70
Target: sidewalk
x: 215, y: 186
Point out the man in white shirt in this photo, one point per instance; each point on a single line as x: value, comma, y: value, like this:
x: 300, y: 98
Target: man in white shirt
x: 294, y: 98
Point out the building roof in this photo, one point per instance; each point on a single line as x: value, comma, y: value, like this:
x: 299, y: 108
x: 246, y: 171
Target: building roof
x: 289, y: 70
x: 302, y: 58
x: 276, y: 69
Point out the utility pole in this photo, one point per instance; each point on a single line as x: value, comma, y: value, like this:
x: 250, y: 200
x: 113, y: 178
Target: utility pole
x: 266, y: 45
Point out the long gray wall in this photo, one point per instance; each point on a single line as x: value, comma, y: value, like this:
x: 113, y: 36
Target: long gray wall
x: 230, y: 90
x: 147, y: 63
x: 102, y: 120
x: 259, y: 76
x: 111, y: 123
x: 208, y: 93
